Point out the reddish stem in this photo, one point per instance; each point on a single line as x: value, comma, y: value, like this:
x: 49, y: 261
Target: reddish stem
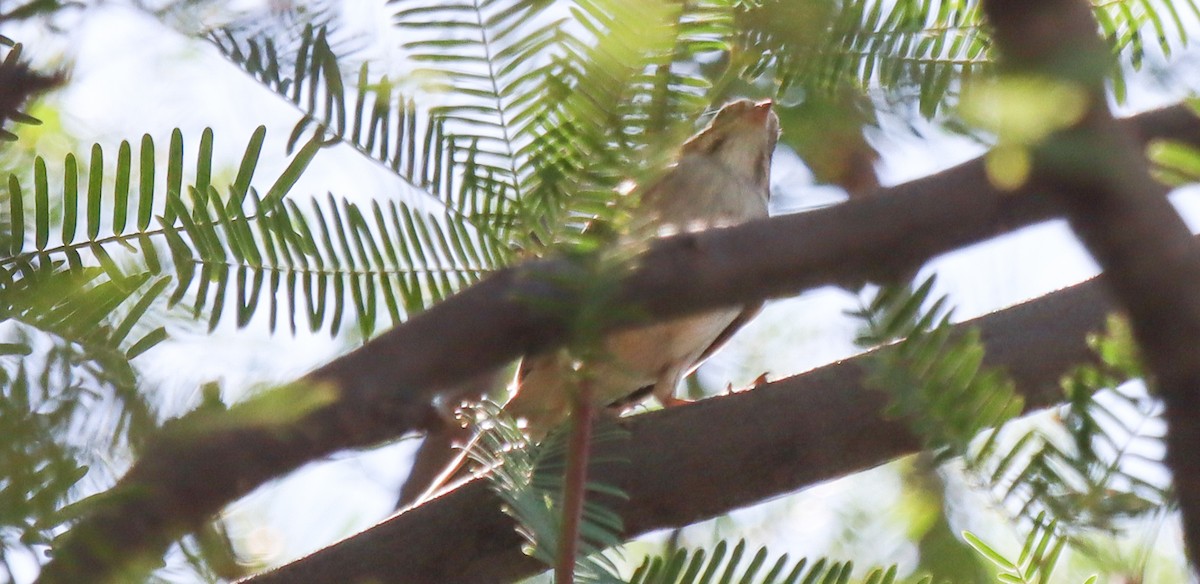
x: 574, y: 483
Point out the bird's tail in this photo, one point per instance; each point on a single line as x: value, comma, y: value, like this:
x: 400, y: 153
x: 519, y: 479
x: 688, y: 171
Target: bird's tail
x: 442, y: 455
x: 438, y: 462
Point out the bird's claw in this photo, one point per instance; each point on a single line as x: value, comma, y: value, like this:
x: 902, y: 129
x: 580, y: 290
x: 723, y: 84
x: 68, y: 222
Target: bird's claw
x: 760, y: 380
x: 671, y: 401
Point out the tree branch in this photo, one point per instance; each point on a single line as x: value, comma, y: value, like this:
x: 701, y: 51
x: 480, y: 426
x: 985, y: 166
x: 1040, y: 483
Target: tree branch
x: 1118, y: 211
x: 707, y: 459
x: 381, y: 391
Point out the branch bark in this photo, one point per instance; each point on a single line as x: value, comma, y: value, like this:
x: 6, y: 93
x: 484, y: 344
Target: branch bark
x: 1101, y: 177
x: 709, y: 458
x: 381, y: 391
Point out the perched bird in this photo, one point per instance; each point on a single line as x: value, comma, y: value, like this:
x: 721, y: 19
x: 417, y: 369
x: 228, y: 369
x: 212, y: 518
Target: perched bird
x: 720, y: 178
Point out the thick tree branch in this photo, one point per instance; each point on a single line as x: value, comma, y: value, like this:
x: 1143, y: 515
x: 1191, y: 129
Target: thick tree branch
x: 1119, y: 213
x: 381, y: 391
x: 704, y: 460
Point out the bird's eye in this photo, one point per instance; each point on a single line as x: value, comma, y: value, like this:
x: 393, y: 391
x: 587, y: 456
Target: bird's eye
x: 716, y: 144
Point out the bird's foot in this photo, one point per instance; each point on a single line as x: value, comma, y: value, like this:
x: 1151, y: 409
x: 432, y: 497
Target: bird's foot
x: 671, y: 401
x: 760, y: 380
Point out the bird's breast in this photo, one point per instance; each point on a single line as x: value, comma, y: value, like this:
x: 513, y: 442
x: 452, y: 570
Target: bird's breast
x: 700, y: 193
x: 632, y: 359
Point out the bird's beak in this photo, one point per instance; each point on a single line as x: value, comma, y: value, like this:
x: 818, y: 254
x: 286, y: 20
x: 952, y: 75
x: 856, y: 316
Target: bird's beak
x: 761, y: 109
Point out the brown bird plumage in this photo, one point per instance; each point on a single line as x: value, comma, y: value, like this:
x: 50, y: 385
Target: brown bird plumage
x: 721, y: 178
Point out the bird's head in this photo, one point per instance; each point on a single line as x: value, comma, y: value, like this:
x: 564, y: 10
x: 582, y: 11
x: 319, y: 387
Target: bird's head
x: 740, y: 137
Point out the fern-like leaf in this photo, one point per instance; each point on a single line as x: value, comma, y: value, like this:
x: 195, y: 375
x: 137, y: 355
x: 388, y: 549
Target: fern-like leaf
x: 547, y: 99
x: 1069, y: 478
x: 1039, y: 554
x: 722, y: 564
x: 1076, y: 473
x: 933, y: 375
x: 379, y: 122
x: 933, y: 46
x: 259, y: 249
x: 528, y: 479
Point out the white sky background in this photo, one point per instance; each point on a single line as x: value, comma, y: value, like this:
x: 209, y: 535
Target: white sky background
x: 133, y: 75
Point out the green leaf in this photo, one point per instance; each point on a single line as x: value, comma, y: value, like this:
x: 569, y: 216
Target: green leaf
x: 245, y: 174
x: 138, y: 310
x: 987, y: 552
x: 146, y: 183
x: 295, y: 168
x: 95, y: 184
x: 248, y: 294
x: 70, y: 199
x: 41, y: 203
x: 121, y: 193
x: 16, y: 211
x: 204, y: 164
x: 174, y: 174
x: 147, y: 342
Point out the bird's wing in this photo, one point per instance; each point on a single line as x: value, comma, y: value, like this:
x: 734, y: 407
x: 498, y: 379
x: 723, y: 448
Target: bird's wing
x: 742, y: 318
x: 738, y: 322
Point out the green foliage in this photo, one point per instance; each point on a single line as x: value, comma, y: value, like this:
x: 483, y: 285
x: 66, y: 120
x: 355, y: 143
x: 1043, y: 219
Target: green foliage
x: 542, y: 111
x: 1131, y: 25
x: 1176, y: 163
x: 723, y: 565
x: 428, y: 254
x: 547, y: 104
x: 311, y: 78
x: 920, y: 51
x: 1075, y: 472
x: 58, y: 422
x: 40, y: 469
x: 528, y: 479
x: 335, y: 253
x: 907, y: 49
x: 1037, y: 559
x: 1068, y: 479
x: 933, y: 375
x: 556, y: 102
x: 382, y: 124
x: 30, y: 9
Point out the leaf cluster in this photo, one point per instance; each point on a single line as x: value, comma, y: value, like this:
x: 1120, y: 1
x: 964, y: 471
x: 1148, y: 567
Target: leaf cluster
x: 725, y: 565
x: 528, y: 479
x: 1068, y: 479
x: 1037, y: 559
x: 934, y: 377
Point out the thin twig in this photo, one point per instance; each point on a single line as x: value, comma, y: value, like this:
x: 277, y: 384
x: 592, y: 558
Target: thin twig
x: 575, y: 482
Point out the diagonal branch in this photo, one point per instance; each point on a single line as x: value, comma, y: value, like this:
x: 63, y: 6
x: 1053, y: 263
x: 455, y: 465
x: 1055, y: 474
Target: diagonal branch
x: 704, y: 460
x: 203, y: 461
x: 1101, y: 177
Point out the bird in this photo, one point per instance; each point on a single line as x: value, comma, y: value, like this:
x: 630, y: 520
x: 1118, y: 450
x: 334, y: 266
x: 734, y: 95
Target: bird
x: 720, y: 178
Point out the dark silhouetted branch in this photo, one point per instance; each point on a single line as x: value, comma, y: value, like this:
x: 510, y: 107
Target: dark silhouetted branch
x: 707, y: 459
x: 1098, y: 172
